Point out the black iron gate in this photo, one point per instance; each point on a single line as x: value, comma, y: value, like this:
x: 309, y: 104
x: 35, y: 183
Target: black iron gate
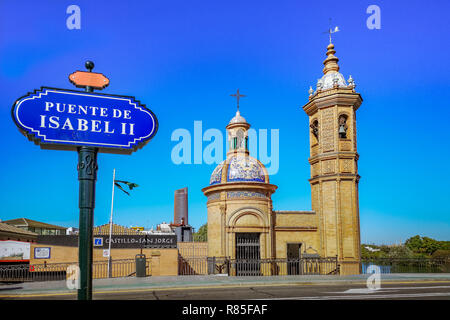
x: 247, y: 254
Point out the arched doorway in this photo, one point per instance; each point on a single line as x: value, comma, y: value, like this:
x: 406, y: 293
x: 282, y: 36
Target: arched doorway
x: 248, y: 254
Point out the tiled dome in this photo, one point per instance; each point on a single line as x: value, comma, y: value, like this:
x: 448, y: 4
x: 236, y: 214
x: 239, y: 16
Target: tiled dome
x: 239, y: 168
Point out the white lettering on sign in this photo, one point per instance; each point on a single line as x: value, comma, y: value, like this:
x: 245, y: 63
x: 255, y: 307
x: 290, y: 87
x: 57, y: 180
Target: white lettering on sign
x: 150, y: 240
x: 80, y: 124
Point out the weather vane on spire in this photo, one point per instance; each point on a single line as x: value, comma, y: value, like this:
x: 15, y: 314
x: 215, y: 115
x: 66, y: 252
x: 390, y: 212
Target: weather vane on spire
x: 238, y: 96
x: 330, y: 31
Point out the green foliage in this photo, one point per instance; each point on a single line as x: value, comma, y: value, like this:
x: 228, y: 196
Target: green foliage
x: 414, y: 243
x: 444, y: 245
x: 426, y: 245
x: 385, y: 251
x: 202, y: 233
x: 440, y: 253
x: 414, y: 247
x: 400, y: 252
x: 430, y: 245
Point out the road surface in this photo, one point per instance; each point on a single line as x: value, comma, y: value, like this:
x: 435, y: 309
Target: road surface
x: 392, y: 291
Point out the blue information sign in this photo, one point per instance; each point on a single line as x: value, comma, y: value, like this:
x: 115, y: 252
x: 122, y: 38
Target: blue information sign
x: 66, y: 119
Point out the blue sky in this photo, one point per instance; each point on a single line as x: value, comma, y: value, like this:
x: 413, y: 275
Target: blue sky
x: 183, y: 59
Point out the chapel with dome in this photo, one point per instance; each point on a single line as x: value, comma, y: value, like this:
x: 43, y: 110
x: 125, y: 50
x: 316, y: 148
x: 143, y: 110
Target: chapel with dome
x: 241, y: 221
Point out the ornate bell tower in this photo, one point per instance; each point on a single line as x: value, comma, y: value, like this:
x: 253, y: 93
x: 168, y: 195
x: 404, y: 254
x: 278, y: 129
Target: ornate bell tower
x: 333, y: 159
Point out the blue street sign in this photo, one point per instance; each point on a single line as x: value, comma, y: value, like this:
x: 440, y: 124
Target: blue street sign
x: 98, y: 242
x: 66, y: 119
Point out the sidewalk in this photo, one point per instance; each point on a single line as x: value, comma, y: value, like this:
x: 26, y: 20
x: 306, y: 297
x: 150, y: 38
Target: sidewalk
x: 185, y: 282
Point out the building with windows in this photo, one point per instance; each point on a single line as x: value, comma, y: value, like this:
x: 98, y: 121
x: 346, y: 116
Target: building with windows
x: 241, y: 221
x: 40, y: 228
x: 9, y: 232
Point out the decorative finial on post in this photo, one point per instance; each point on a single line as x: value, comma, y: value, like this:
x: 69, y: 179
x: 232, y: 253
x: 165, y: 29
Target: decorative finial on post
x: 238, y: 96
x: 351, y: 82
x: 331, y: 62
x: 89, y: 65
x: 319, y: 85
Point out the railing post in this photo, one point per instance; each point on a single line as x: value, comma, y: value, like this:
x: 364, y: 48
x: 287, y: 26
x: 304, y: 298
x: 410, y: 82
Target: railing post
x: 213, y: 265
x: 338, y: 266
x: 109, y: 268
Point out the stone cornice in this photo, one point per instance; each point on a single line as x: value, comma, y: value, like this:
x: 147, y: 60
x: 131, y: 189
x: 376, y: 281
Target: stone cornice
x: 293, y: 212
x: 245, y: 125
x: 334, y: 155
x: 231, y: 186
x: 239, y: 200
x: 241, y: 228
x: 335, y: 176
x: 302, y: 228
x: 332, y: 97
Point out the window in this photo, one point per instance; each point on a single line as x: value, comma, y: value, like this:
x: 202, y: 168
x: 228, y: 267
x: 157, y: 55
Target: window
x: 240, y: 138
x: 234, y: 143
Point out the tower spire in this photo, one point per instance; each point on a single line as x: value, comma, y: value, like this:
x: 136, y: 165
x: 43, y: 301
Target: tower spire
x: 331, y: 62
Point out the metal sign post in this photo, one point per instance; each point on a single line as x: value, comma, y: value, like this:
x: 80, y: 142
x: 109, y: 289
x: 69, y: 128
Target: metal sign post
x: 87, y: 176
x: 88, y: 123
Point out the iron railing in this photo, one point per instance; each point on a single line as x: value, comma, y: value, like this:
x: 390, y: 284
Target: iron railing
x: 192, y: 266
x: 57, y: 271
x: 258, y: 267
x: 407, y: 265
x: 275, y: 267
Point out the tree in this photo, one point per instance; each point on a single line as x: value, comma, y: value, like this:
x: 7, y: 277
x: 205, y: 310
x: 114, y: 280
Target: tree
x: 425, y: 245
x: 444, y: 245
x: 400, y: 252
x: 441, y: 253
x: 429, y: 245
x: 414, y: 243
x: 202, y: 233
x: 369, y: 251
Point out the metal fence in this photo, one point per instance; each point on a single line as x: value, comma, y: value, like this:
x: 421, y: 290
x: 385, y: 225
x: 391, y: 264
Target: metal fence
x: 407, y: 265
x: 57, y: 271
x: 192, y: 266
x: 258, y: 267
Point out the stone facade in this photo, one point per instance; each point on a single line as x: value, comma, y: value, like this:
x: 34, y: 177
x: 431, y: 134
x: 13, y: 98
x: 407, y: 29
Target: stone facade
x: 334, y: 172
x: 239, y: 195
x: 163, y: 262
